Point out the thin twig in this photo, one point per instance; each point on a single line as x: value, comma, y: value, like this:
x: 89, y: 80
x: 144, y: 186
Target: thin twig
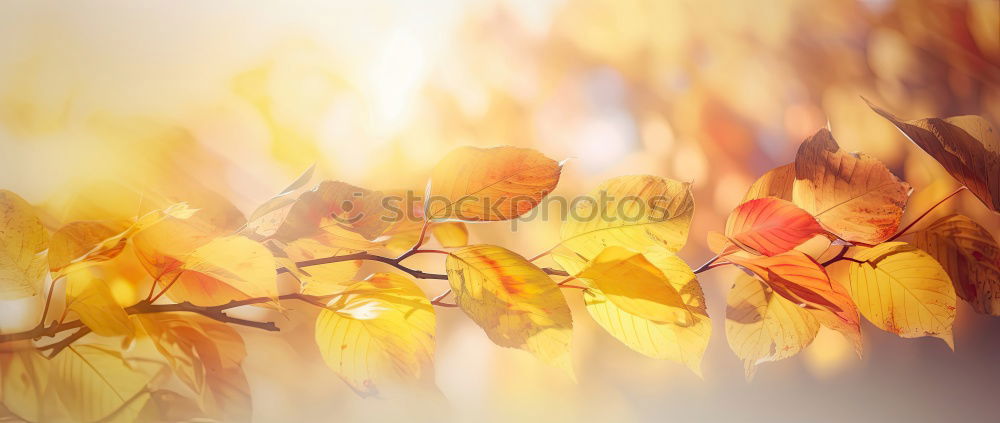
x: 914, y: 222
x: 707, y: 265
x: 164, y: 291
x: 59, y: 346
x: 420, y: 241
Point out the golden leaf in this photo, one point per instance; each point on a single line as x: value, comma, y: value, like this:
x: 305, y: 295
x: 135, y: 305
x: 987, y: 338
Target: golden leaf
x: 94, y: 382
x: 967, y: 146
x: 223, y: 270
x: 635, y: 212
x: 799, y: 279
x: 451, y: 234
x: 24, y: 379
x: 514, y: 301
x: 970, y: 255
x: 903, y: 290
x: 853, y: 195
x: 776, y: 183
x: 206, y: 355
x: 762, y: 326
x: 337, y: 204
x: 23, y: 242
x: 80, y: 239
x: 324, y: 279
x: 770, y: 226
x: 636, y: 286
x: 489, y: 184
x: 91, y: 299
x: 379, y: 329
x: 683, y: 343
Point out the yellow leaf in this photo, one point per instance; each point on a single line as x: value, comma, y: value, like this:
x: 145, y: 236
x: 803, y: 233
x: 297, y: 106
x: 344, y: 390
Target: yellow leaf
x: 336, y: 204
x: 903, y: 290
x: 967, y: 147
x: 324, y: 279
x: 94, y: 382
x: 23, y: 242
x: 91, y: 299
x: 225, y: 269
x: 380, y: 329
x: 636, y: 286
x: 489, y: 184
x: 451, y: 234
x: 762, y: 326
x: 970, y: 255
x: 852, y: 194
x: 514, y: 301
x: 776, y: 183
x: 635, y: 212
x: 24, y: 379
x: 683, y: 343
x: 80, y: 239
x: 206, y: 355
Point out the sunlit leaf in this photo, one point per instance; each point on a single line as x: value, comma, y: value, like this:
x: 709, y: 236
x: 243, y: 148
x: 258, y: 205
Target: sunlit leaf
x: 24, y: 379
x: 799, y: 279
x: 23, y: 241
x: 93, y: 382
x: 335, y: 203
x: 852, y: 194
x: 324, y: 279
x: 206, y: 355
x: 681, y: 342
x: 79, y: 239
x: 383, y: 329
x: 636, y: 286
x: 762, y: 326
x: 489, y: 184
x: 770, y: 226
x: 514, y: 301
x: 970, y: 255
x: 224, y: 269
x: 91, y: 299
x: 776, y: 183
x: 451, y: 234
x: 967, y: 146
x: 635, y: 212
x: 260, y: 221
x: 903, y: 290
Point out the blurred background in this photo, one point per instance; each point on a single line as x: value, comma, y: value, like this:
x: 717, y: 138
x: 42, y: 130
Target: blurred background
x: 103, y: 102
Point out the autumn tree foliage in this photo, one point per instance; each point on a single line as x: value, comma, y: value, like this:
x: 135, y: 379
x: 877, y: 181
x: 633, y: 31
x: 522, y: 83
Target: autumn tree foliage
x: 819, y: 240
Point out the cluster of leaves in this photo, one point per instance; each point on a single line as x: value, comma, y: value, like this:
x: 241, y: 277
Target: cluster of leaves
x: 816, y: 239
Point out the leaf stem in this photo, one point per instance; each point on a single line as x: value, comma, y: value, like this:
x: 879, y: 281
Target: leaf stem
x: 914, y: 222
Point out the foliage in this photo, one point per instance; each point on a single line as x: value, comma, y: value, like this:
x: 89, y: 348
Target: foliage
x: 106, y: 359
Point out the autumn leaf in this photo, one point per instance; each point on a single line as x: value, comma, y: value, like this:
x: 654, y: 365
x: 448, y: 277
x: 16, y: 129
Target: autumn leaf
x: 903, y: 290
x: 24, y: 380
x: 84, y: 239
x: 380, y: 329
x: 451, y: 234
x: 338, y: 204
x: 91, y: 299
x: 852, y: 194
x: 266, y: 218
x: 770, y: 226
x: 639, y: 212
x: 776, y: 183
x: 207, y: 356
x: 799, y: 279
x: 967, y: 146
x: 324, y: 279
x: 489, y: 184
x: 681, y: 342
x: 93, y: 382
x: 762, y: 326
x: 636, y: 286
x: 23, y: 242
x: 514, y: 301
x: 970, y: 255
x: 225, y: 269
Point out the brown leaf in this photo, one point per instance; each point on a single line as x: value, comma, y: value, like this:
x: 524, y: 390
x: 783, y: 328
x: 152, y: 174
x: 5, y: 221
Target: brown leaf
x: 967, y: 146
x: 970, y: 255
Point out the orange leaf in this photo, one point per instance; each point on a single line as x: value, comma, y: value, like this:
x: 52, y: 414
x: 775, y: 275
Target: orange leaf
x: 798, y: 278
x: 851, y: 194
x: 776, y: 183
x: 335, y: 203
x: 770, y: 226
x: 500, y: 183
x: 967, y: 146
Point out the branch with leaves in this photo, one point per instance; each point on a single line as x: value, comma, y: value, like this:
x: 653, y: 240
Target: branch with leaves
x: 817, y: 240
